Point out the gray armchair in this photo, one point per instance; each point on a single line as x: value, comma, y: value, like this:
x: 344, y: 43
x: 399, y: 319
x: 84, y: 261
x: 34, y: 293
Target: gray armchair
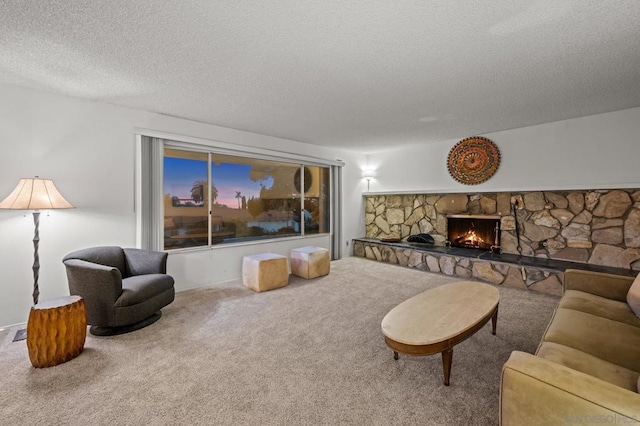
x: 123, y: 289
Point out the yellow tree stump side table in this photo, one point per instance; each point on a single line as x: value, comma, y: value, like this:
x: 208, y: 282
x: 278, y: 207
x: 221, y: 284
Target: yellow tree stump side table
x: 56, y: 331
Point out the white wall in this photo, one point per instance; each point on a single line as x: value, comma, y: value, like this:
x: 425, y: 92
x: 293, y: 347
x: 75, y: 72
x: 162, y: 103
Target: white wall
x: 88, y: 148
x: 595, y: 152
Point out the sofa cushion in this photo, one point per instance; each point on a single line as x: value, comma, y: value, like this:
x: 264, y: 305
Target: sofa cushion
x: 609, y: 340
x: 633, y: 296
x: 599, y: 306
x: 140, y: 288
x: 590, y: 365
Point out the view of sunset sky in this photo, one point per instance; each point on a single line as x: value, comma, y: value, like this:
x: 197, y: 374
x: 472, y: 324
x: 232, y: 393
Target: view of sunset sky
x: 180, y: 174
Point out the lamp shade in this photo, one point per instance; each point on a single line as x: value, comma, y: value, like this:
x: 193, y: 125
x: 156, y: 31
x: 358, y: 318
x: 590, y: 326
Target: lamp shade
x: 368, y: 174
x: 35, y: 194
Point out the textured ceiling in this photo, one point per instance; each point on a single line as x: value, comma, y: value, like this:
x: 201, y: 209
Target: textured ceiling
x: 364, y: 75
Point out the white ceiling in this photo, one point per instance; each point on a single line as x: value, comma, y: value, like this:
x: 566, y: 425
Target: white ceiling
x: 364, y: 75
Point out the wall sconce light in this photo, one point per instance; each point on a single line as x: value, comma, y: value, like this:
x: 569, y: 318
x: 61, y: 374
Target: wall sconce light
x: 368, y: 175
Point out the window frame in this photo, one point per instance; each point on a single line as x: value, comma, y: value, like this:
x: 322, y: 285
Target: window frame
x: 145, y: 223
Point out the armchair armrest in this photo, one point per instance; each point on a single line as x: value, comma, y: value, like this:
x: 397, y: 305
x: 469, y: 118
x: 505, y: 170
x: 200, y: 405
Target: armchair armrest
x: 611, y: 286
x: 100, y: 286
x: 537, y: 391
x: 143, y: 262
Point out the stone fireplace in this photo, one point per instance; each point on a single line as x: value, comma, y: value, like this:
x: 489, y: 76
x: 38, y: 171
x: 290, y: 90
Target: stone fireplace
x: 598, y: 227
x: 540, y: 234
x: 473, y: 231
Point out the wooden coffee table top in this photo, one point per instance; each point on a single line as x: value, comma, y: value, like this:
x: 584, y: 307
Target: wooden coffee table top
x: 441, y: 313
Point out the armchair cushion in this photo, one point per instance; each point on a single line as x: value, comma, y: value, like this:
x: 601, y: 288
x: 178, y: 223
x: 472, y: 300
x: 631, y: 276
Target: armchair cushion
x: 140, y: 288
x: 143, y: 262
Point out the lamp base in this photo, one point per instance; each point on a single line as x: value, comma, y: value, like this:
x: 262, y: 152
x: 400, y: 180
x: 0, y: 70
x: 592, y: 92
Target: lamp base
x: 20, y: 335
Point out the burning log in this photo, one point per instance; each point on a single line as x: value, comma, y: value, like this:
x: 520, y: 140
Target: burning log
x: 470, y: 238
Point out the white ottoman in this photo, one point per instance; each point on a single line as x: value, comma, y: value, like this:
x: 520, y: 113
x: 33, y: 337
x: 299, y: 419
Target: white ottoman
x: 266, y: 271
x: 310, y: 262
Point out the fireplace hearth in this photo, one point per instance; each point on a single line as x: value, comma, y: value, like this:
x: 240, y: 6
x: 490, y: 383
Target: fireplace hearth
x: 474, y: 231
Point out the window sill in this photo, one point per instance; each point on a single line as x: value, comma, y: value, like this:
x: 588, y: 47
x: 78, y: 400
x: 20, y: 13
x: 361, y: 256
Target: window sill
x: 246, y: 243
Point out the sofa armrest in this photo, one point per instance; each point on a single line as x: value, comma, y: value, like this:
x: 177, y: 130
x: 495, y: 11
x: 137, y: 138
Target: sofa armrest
x: 537, y: 391
x: 611, y: 286
x: 143, y: 262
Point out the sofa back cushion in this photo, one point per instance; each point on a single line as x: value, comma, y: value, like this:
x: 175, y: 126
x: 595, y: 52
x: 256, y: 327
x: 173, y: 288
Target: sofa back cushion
x: 633, y: 296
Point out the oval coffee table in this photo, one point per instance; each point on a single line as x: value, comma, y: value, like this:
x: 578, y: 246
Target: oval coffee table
x: 438, y: 319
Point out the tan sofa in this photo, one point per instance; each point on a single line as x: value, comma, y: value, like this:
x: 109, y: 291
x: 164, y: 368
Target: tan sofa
x: 586, y: 369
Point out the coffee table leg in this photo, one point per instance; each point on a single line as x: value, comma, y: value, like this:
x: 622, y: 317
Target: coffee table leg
x: 447, y: 357
x: 494, y: 321
x: 395, y: 355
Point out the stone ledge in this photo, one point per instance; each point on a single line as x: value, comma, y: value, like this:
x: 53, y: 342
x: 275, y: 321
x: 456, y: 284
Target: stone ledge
x: 537, y: 274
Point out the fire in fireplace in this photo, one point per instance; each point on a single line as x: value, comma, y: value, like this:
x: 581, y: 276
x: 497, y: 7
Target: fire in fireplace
x: 473, y: 231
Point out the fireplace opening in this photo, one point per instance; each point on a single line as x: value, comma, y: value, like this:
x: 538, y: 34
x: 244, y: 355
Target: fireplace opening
x: 473, y: 231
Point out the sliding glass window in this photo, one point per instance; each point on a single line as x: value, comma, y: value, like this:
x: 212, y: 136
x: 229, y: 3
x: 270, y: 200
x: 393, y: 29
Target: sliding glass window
x: 212, y: 198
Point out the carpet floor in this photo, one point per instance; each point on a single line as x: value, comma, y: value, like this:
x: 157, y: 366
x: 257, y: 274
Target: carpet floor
x: 311, y: 353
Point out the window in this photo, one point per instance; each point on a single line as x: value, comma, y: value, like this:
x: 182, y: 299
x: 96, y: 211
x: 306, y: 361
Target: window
x: 185, y: 201
x: 212, y: 198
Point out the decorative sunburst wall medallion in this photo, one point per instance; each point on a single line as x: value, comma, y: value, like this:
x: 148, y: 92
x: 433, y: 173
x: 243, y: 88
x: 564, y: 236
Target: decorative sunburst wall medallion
x: 473, y: 160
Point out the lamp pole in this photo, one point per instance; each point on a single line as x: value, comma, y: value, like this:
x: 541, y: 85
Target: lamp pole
x: 36, y: 258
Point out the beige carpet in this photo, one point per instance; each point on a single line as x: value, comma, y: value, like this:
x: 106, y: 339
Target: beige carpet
x: 311, y: 353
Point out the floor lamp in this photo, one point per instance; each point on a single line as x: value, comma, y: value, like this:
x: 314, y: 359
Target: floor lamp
x: 35, y: 194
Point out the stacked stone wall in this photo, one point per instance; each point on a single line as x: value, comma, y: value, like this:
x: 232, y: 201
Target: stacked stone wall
x: 600, y: 227
x: 536, y: 279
